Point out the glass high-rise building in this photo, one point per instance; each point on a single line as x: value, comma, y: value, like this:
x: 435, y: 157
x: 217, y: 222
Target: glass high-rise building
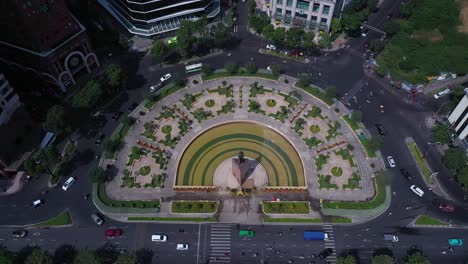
x: 152, y: 17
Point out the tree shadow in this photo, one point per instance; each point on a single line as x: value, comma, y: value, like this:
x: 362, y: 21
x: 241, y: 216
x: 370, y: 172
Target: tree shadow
x: 24, y: 253
x: 107, y: 254
x: 144, y: 256
x: 65, y: 254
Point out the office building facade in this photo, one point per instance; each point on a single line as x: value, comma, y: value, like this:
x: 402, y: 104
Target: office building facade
x: 311, y: 15
x: 458, y: 118
x: 42, y: 37
x: 150, y: 18
x: 9, y: 100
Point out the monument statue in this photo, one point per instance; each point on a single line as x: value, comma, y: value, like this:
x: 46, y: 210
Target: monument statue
x: 240, y: 168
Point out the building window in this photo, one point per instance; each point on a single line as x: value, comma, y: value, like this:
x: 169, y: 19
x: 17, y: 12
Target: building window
x: 326, y: 10
x: 313, y: 18
x: 316, y: 8
x: 302, y: 5
x: 288, y: 12
x: 279, y: 10
x: 289, y: 2
x: 8, y: 98
x: 301, y: 14
x: 323, y: 20
x: 279, y: 2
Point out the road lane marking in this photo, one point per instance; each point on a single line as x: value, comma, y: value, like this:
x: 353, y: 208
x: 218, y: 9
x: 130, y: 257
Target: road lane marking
x: 198, y: 247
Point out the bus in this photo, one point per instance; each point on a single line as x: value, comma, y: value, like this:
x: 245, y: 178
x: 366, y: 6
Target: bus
x: 193, y: 67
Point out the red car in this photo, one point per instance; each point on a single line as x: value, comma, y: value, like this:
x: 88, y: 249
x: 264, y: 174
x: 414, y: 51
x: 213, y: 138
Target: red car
x: 113, y: 232
x: 446, y: 207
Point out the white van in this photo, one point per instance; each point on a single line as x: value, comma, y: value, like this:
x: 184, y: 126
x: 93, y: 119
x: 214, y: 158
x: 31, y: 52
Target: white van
x: 68, y: 183
x: 158, y: 238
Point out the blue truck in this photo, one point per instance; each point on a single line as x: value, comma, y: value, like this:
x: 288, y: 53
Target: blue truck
x: 315, y: 235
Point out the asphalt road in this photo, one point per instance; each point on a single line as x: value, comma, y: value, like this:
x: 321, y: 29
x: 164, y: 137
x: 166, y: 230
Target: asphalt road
x: 342, y: 69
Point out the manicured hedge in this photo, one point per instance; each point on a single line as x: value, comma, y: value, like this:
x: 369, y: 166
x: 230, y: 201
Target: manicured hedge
x: 194, y: 207
x: 170, y: 219
x: 102, y: 195
x: 286, y: 207
x: 317, y: 92
x: 293, y: 220
x: 379, y: 199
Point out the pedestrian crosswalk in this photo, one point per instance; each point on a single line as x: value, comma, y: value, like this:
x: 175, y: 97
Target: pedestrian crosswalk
x: 330, y: 243
x: 351, y: 94
x: 220, y: 243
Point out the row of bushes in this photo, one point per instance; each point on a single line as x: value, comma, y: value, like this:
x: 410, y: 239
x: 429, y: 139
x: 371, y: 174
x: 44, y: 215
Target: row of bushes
x: 166, y: 91
x: 379, y: 199
x: 242, y: 72
x: 102, y: 195
x: 317, y: 92
x: 286, y: 207
x: 172, y: 219
x: 194, y: 207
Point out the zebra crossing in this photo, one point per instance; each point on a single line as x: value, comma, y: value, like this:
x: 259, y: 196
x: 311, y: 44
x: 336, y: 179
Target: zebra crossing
x: 357, y: 87
x: 220, y: 243
x: 330, y: 243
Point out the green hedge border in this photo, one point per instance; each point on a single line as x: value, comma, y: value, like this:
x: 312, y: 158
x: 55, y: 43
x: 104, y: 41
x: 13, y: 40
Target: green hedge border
x: 106, y: 200
x: 318, y: 93
x: 425, y: 170
x: 172, y: 219
x: 194, y: 208
x: 379, y: 199
x: 292, y: 220
x: 364, y: 142
x: 223, y: 74
x: 304, y: 205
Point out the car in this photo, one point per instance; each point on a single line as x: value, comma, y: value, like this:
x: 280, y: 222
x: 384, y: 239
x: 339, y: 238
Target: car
x: 389, y: 16
x: 325, y: 253
x: 68, y: 183
x: 99, y: 139
x: 271, y: 47
x: 442, y: 93
x: 380, y: 129
x: 446, y: 207
x: 268, y: 68
x: 37, y: 203
x: 182, y: 246
x: 391, y: 161
x: 417, y: 190
x: 296, y: 53
x: 132, y: 107
x: 116, y: 115
x: 406, y: 174
x: 19, y: 233
x: 455, y: 241
x: 97, y: 219
x: 113, y: 232
x: 159, y: 238
x: 166, y: 77
x: 154, y: 88
x: 364, y: 32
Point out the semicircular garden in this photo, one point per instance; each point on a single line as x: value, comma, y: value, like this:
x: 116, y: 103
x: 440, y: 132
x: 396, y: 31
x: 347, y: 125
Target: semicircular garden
x: 261, y: 143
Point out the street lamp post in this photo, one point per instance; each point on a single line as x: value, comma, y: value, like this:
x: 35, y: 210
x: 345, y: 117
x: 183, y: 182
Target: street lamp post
x: 429, y: 148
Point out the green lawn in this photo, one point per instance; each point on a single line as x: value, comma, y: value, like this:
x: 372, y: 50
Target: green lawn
x: 353, y: 124
x: 324, y: 182
x: 223, y: 73
x: 60, y: 220
x: 317, y: 92
x: 341, y: 220
x: 427, y: 220
x: 379, y: 198
x: 172, y: 219
x: 194, y: 207
x: 286, y: 207
x: 102, y: 195
x: 421, y: 162
x: 293, y: 220
x: 168, y: 90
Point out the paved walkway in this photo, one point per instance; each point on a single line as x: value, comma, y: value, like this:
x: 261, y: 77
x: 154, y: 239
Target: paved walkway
x: 236, y: 208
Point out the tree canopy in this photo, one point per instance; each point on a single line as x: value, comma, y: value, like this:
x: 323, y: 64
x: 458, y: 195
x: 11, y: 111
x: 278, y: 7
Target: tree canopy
x: 417, y: 258
x: 159, y: 49
x: 455, y: 159
x: 88, y: 96
x: 38, y: 257
x: 56, y: 120
x: 441, y: 133
x: 116, y: 77
x: 97, y: 175
x: 86, y: 257
x: 382, y: 259
x: 346, y: 260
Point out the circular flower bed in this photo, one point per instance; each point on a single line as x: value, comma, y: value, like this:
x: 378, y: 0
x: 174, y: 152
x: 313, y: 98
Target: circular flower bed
x: 145, y: 170
x: 210, y: 103
x: 271, y: 103
x: 314, y: 129
x: 337, y: 171
x: 166, y: 129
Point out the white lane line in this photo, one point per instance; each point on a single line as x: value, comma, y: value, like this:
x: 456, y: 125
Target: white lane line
x: 198, y: 247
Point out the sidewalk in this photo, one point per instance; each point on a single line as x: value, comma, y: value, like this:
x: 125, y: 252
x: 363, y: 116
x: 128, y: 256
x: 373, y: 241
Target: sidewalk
x: 439, y: 85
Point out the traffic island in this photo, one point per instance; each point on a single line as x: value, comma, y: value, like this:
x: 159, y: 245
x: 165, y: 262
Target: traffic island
x: 423, y: 167
x: 62, y: 220
x: 425, y: 220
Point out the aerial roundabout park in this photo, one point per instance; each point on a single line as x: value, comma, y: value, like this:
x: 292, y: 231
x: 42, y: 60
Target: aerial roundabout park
x: 239, y: 137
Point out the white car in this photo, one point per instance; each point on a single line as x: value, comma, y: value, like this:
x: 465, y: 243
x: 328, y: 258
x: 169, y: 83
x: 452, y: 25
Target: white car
x: 159, y: 238
x: 166, y: 77
x: 271, y: 47
x: 182, y: 246
x: 156, y: 87
x: 68, y: 183
x: 391, y: 161
x: 417, y: 190
x: 440, y: 94
x: 37, y: 203
x: 269, y: 68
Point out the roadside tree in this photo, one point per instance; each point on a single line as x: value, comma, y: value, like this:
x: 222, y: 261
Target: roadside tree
x: 125, y: 259
x: 159, y: 49
x: 294, y: 37
x: 38, y: 256
x: 330, y: 92
x: 111, y: 146
x: 97, y: 175
x: 346, y: 260
x: 276, y: 69
x: 6, y: 256
x: 88, y: 96
x: 231, y: 68
x: 382, y: 259
x: 462, y: 177
x: 417, y: 258
x: 207, y: 69
x: 441, y: 133
x: 356, y: 116
x: 304, y: 79
x: 56, y: 120
x: 336, y: 25
x: 86, y: 256
x: 455, y: 159
x: 375, y: 144
x: 116, y: 78
x: 251, y: 68
x: 278, y: 36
